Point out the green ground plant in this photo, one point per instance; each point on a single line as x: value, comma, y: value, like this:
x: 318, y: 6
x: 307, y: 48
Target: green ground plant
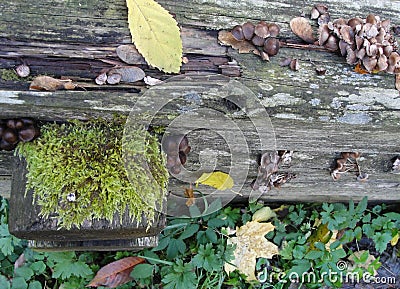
x: 192, y: 250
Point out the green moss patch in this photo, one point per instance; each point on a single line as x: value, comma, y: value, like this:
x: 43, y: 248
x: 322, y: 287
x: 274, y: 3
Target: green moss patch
x: 77, y: 171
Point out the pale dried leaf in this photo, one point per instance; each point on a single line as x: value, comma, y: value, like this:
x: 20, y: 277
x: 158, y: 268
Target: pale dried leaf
x: 251, y: 244
x: 50, y: 84
x: 226, y: 38
x: 302, y: 28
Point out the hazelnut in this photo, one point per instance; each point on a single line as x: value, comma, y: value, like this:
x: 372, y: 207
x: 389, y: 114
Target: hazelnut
x: 248, y: 30
x: 237, y: 33
x: 271, y: 46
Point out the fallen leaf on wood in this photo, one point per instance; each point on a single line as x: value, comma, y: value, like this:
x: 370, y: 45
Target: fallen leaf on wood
x: 251, y: 244
x: 116, y: 273
x: 128, y: 73
x: 226, y: 38
x: 219, y: 180
x: 129, y: 54
x: 51, y: 84
x: 156, y: 34
x: 302, y: 28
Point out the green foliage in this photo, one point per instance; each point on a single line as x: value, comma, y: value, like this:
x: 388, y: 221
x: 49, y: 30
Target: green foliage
x: 85, y: 160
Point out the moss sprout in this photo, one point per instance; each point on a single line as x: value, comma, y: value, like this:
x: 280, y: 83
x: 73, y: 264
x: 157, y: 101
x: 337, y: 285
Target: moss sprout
x: 77, y: 171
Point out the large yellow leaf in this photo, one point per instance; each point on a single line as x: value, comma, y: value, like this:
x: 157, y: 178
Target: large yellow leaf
x: 219, y: 180
x: 155, y: 34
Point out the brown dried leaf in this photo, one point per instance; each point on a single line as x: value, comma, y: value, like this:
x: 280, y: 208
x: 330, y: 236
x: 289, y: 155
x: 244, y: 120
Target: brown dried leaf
x: 51, y: 84
x: 128, y: 73
x: 302, y: 28
x: 226, y: 38
x: 115, y: 273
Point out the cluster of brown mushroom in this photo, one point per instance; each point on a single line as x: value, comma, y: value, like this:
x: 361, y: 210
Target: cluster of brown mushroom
x: 362, y: 41
x: 176, y: 147
x: 396, y: 165
x: 262, y: 35
x: 14, y: 130
x: 268, y: 174
x: 348, y: 162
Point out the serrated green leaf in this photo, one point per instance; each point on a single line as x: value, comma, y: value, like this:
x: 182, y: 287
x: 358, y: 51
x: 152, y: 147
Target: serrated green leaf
x: 142, y: 271
x: 38, y: 267
x: 155, y: 34
x: 24, y: 272
x: 66, y: 269
x: 6, y: 246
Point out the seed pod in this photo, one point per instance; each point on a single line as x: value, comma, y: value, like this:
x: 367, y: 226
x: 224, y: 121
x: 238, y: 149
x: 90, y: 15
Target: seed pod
x: 262, y: 30
x: 271, y: 46
x: 257, y: 40
x: 237, y: 33
x: 10, y: 136
x: 248, y: 30
x: 273, y: 30
x: 22, y: 70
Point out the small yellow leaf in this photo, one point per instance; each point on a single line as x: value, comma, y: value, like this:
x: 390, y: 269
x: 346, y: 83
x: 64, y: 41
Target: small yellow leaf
x: 263, y: 214
x: 219, y: 180
x: 155, y: 34
x: 395, y: 239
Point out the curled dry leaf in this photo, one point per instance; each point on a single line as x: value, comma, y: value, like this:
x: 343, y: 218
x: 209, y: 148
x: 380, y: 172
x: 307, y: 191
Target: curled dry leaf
x: 302, y: 28
x: 116, y: 273
x: 251, y: 244
x: 226, y: 38
x: 51, y: 84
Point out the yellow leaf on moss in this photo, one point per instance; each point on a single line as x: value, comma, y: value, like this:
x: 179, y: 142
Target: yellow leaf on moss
x: 155, y: 34
x: 251, y: 244
x: 219, y: 180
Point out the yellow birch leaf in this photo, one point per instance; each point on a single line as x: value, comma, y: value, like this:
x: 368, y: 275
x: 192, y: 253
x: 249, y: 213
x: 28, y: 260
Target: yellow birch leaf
x: 395, y: 239
x: 219, y: 180
x: 155, y: 34
x: 251, y: 244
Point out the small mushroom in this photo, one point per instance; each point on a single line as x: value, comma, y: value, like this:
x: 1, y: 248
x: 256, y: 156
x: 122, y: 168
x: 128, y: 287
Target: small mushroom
x: 101, y: 78
x: 369, y: 63
x: 353, y: 22
x: 248, y: 30
x: 2, y: 129
x: 11, y: 123
x: 347, y: 34
x: 273, y: 30
x: 10, y: 136
x: 315, y: 13
x: 264, y: 55
x: 332, y: 43
x: 258, y: 40
x: 262, y: 30
x: 28, y: 133
x: 371, y: 19
x: 361, y: 53
x: 323, y: 34
x: 271, y: 46
x: 324, y: 19
x: 351, y: 57
x: 237, y: 33
x: 322, y: 9
x: 23, y: 70
x: 343, y: 46
x: 4, y: 145
x: 382, y: 63
x: 114, y: 78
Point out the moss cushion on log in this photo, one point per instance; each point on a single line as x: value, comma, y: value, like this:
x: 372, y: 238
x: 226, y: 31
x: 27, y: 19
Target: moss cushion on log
x: 77, y: 172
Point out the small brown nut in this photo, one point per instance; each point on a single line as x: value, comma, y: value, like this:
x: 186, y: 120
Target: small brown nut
x: 271, y: 46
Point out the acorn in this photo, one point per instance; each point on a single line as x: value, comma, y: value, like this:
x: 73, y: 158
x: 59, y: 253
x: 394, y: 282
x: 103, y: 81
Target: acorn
x: 237, y: 33
x: 10, y: 136
x: 28, y: 133
x: 261, y: 30
x: 248, y: 30
x: 271, y: 46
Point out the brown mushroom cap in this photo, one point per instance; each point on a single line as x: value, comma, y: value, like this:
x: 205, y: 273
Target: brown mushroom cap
x: 273, y: 30
x: 10, y: 136
x: 237, y: 33
x: 2, y: 129
x: 271, y: 46
x: 11, y: 123
x: 28, y: 133
x: 4, y: 145
x: 248, y: 30
x: 262, y: 30
x: 257, y: 40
